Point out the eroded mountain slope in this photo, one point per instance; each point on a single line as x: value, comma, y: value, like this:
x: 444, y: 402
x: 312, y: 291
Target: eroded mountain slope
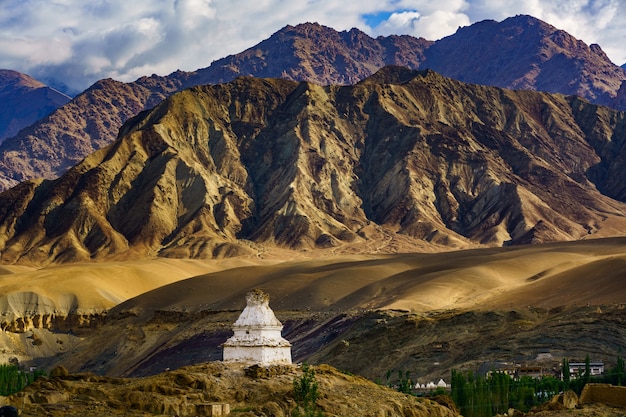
x: 89, y: 122
x: 296, y: 165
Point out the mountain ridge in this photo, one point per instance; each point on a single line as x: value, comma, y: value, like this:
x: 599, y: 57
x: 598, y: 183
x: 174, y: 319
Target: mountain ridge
x: 411, y: 154
x: 321, y: 55
x: 523, y: 52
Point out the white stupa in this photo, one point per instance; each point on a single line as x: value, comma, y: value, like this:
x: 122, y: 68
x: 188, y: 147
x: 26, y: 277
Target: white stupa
x: 257, y: 338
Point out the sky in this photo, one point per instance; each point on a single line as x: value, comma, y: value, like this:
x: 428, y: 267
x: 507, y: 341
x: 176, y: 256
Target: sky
x: 70, y: 44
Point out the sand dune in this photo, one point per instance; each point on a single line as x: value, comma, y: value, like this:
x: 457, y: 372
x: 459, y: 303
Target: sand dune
x: 585, y: 272
x: 162, y: 296
x: 86, y: 288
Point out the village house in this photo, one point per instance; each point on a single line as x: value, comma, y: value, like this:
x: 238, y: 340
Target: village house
x: 539, y: 369
x: 578, y: 368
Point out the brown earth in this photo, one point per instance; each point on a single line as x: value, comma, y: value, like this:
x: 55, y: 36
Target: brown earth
x: 194, y: 390
x: 362, y: 314
x: 367, y: 314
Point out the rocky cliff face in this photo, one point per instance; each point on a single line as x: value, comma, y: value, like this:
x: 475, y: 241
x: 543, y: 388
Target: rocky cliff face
x: 520, y: 52
x: 298, y: 165
x: 23, y: 101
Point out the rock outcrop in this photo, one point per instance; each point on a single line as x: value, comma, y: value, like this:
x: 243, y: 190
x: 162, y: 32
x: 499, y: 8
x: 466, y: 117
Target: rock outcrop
x: 197, y: 390
x: 614, y: 396
x: 567, y: 400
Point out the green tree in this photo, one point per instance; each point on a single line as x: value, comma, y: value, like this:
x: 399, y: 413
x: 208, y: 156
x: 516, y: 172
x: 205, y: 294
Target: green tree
x: 566, y: 374
x: 458, y: 389
x: 523, y: 394
x: 13, y: 380
x: 499, y: 386
x: 478, y: 396
x: 548, y: 387
x: 405, y: 385
x: 587, y: 375
x: 305, y: 393
x: 616, y: 375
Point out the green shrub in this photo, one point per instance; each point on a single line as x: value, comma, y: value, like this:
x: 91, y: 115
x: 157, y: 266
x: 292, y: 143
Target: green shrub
x: 305, y: 394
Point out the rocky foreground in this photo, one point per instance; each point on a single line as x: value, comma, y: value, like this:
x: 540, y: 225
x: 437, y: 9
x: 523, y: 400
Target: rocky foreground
x: 196, y: 390
x: 219, y: 388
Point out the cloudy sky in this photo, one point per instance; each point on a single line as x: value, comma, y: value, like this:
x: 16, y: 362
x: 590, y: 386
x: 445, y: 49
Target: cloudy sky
x: 76, y: 42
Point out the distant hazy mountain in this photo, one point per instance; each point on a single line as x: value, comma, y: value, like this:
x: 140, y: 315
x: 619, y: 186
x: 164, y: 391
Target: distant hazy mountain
x: 23, y: 101
x: 521, y: 53
x: 297, y: 165
x: 90, y: 121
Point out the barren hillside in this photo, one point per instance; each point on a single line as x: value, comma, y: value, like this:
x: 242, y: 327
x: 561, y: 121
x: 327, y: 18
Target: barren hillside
x: 402, y: 159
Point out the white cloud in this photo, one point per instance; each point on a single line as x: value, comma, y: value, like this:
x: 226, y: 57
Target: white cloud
x: 77, y: 42
x: 433, y: 26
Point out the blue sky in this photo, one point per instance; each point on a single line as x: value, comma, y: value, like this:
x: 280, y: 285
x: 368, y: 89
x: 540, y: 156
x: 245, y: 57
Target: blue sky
x: 77, y: 42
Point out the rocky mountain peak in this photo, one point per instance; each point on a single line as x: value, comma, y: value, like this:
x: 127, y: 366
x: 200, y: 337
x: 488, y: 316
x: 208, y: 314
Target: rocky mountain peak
x: 393, y: 74
x: 14, y: 79
x: 520, y: 52
x: 523, y: 52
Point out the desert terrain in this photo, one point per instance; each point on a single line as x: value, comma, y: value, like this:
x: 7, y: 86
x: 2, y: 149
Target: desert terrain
x: 363, y: 314
x: 141, y: 317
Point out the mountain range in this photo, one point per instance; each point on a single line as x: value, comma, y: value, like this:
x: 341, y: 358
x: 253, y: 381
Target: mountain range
x: 342, y: 183
x: 301, y: 166
x: 521, y: 52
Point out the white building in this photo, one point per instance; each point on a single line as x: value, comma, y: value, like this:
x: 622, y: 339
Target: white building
x: 578, y: 368
x: 257, y: 338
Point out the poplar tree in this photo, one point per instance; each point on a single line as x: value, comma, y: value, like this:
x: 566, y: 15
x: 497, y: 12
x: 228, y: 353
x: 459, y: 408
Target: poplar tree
x: 566, y: 374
